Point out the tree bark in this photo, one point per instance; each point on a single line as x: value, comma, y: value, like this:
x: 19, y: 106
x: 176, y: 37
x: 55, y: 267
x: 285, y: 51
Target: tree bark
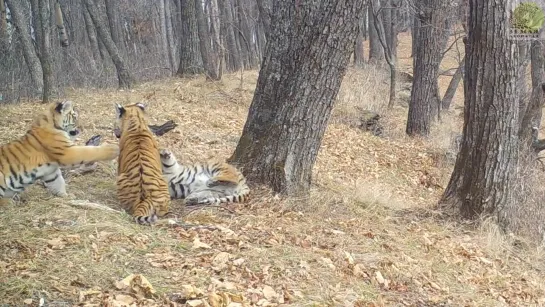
x: 432, y: 40
x: 112, y: 11
x: 164, y: 37
x: 453, y: 86
x: 190, y: 55
x: 414, y: 34
x: 531, y: 115
x: 123, y: 75
x: 376, y: 52
x: 234, y: 60
x: 208, y: 56
x: 309, y: 48
x: 3, y: 27
x: 29, y: 52
x: 91, y: 34
x: 264, y: 15
x: 63, y: 36
x: 359, y: 57
x: 486, y: 168
x: 170, y: 35
x: 45, y: 51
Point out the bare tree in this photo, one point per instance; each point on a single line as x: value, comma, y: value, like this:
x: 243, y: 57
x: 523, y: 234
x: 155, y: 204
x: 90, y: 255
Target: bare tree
x: 431, y: 42
x: 112, y: 12
x: 388, y: 48
x: 3, y: 27
x: 123, y: 75
x: 29, y: 53
x: 170, y: 34
x: 190, y: 55
x: 91, y: 35
x: 306, y: 59
x: 452, y: 86
x: 45, y: 46
x: 208, y: 55
x: 486, y: 167
x: 63, y: 35
x: 376, y: 52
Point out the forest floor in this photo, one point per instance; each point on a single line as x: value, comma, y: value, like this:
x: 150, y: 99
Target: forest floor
x: 368, y: 236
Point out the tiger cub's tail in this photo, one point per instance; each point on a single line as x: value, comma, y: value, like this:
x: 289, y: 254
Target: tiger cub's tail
x: 240, y: 196
x: 144, y: 212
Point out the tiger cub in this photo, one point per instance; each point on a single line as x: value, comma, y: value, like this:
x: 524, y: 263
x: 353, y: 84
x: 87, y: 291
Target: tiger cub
x: 45, y: 148
x: 141, y: 187
x: 202, y: 184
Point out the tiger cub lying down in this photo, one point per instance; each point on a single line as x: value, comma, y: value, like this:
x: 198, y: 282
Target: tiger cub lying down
x: 46, y: 147
x: 141, y: 187
x: 202, y: 184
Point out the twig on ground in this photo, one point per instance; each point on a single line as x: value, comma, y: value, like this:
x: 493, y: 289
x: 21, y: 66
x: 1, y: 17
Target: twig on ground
x: 89, y: 205
x: 200, y: 207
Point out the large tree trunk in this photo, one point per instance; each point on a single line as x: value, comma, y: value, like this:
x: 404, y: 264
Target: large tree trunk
x: 453, y: 86
x: 123, y: 75
x: 190, y: 55
x: 486, y: 167
x: 309, y: 48
x: 208, y: 56
x: 376, y: 52
x: 432, y: 40
x: 45, y: 50
x: 359, y: 57
x: 29, y: 53
x: 414, y: 34
x: 264, y: 15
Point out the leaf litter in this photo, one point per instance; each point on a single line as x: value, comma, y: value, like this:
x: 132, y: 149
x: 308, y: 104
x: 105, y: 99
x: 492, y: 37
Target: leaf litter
x: 366, y: 237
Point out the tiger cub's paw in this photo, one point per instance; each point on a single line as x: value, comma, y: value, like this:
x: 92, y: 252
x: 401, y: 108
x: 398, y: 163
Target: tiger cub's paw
x: 111, y: 151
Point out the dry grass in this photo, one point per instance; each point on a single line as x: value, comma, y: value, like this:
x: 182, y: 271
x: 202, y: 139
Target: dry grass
x: 368, y: 234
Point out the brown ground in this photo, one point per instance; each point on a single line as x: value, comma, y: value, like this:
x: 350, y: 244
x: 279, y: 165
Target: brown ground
x: 368, y: 237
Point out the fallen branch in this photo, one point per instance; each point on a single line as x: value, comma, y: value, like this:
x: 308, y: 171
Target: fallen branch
x: 159, y: 130
x: 89, y: 205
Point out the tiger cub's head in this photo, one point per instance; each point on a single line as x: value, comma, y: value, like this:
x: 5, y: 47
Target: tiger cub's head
x: 133, y: 111
x: 64, y: 117
x: 168, y: 160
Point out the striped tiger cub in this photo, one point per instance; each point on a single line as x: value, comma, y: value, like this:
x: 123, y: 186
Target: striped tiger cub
x: 202, y: 184
x: 46, y: 147
x: 141, y: 188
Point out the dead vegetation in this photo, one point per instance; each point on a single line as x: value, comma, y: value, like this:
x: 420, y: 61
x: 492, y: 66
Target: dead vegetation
x: 368, y: 236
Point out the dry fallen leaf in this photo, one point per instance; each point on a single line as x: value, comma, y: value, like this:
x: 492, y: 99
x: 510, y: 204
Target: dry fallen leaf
x: 269, y: 293
x: 190, y: 291
x: 137, y: 284
x: 220, y: 261
x: 198, y: 244
x: 56, y: 243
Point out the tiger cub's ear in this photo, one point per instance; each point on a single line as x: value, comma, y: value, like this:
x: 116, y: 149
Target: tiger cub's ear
x: 119, y: 110
x: 63, y: 106
x: 141, y: 106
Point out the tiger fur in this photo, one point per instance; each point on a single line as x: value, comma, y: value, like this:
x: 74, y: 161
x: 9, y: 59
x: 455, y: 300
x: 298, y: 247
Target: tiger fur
x: 203, y: 183
x: 141, y: 187
x: 44, y: 149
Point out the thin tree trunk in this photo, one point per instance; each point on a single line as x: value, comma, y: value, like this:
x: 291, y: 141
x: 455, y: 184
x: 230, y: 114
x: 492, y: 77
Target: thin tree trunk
x: 432, y: 40
x: 36, y: 24
x: 309, y: 49
x: 376, y: 52
x: 215, y: 31
x: 112, y: 12
x: 190, y: 55
x: 123, y: 75
x: 29, y: 52
x: 91, y: 34
x: 164, y: 37
x: 453, y: 86
x: 359, y: 57
x: 234, y: 62
x: 63, y: 36
x: 3, y: 27
x: 247, y: 41
x: 45, y: 49
x: 531, y: 115
x: 485, y: 173
x: 170, y: 35
x: 208, y: 56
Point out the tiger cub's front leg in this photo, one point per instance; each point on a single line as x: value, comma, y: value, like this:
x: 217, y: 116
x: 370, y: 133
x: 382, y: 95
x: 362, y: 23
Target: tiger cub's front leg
x: 86, y: 154
x: 55, y: 184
